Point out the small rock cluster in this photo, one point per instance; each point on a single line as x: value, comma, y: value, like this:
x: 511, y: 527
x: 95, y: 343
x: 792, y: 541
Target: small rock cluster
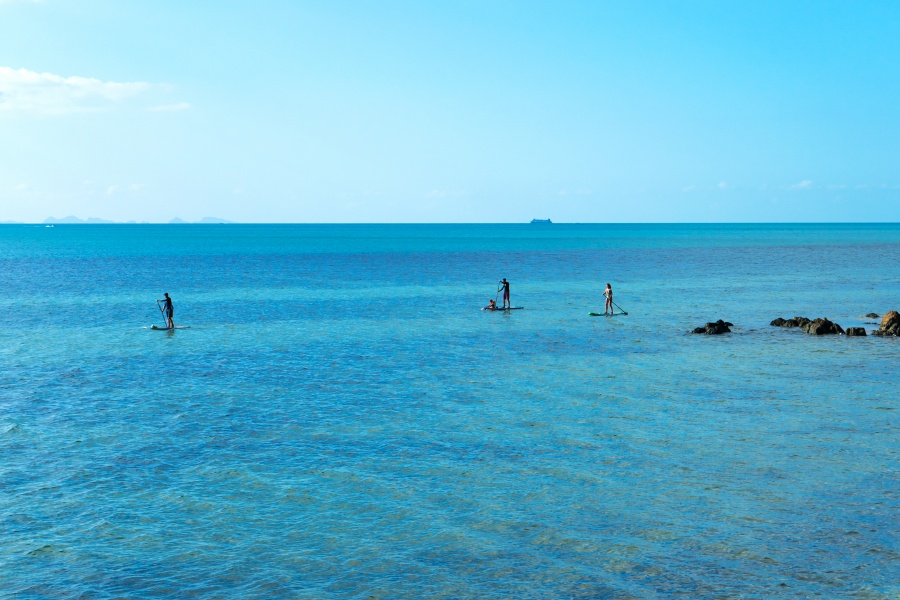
x: 821, y: 326
x: 716, y: 328
x: 890, y: 325
x: 795, y: 322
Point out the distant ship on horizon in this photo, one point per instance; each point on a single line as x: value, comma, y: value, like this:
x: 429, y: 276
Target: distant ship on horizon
x: 547, y: 221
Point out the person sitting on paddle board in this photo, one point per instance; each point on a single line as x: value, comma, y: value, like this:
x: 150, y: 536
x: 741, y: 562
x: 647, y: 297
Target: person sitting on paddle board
x: 169, y: 311
x: 504, y: 285
x: 492, y: 305
x: 607, y: 293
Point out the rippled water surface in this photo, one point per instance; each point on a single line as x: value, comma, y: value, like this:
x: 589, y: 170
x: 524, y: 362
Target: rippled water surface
x: 341, y: 420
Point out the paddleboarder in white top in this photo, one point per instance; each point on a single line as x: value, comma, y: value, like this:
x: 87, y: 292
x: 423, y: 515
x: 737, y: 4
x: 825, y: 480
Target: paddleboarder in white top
x: 607, y: 293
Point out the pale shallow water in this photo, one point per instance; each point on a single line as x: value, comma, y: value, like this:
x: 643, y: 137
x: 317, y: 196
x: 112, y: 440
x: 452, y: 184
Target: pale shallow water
x: 342, y: 421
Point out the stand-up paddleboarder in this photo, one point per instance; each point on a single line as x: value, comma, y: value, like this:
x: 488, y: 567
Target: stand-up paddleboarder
x: 170, y: 324
x: 607, y: 293
x: 504, y: 286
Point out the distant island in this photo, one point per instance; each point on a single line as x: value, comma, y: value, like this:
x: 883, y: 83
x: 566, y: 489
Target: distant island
x: 541, y: 221
x: 72, y: 220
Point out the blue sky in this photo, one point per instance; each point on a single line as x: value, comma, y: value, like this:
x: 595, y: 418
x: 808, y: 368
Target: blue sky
x: 455, y: 111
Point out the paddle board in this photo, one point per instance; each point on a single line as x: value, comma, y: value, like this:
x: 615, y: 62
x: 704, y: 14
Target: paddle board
x: 593, y: 314
x: 500, y: 308
x: 158, y: 328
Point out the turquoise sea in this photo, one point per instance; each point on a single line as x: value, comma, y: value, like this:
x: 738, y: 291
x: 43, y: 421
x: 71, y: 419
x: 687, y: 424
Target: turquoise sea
x: 342, y: 421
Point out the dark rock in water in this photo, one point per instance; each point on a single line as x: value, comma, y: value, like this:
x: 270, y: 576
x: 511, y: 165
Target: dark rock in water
x: 856, y: 331
x: 890, y: 320
x: 817, y: 327
x: 890, y: 324
x: 795, y: 322
x: 716, y: 328
x: 822, y: 326
x: 873, y: 316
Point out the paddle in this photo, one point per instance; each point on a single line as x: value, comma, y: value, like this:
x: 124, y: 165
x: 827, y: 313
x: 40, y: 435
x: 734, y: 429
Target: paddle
x: 165, y: 320
x: 619, y: 307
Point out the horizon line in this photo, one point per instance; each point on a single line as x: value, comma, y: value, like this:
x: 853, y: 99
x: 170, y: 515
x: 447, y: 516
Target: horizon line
x: 224, y: 222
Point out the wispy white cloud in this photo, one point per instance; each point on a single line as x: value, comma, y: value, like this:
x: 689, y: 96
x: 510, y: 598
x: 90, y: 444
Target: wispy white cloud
x: 22, y: 90
x: 805, y: 184
x: 170, y: 107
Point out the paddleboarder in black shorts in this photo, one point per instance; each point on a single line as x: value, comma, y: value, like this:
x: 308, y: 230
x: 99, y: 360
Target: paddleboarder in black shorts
x: 504, y: 285
x: 169, y: 311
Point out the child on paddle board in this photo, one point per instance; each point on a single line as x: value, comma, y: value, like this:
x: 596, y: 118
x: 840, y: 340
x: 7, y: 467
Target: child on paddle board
x: 492, y: 305
x: 504, y: 285
x: 170, y: 310
x: 607, y: 293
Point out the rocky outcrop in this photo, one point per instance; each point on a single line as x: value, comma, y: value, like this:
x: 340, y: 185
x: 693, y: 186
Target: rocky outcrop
x: 795, y: 322
x: 855, y: 331
x: 890, y: 320
x: 813, y: 327
x: 716, y: 328
x: 890, y: 324
x: 873, y: 316
x: 822, y: 326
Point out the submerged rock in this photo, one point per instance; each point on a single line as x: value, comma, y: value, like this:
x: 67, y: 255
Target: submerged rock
x: 822, y: 326
x: 795, y: 322
x: 855, y: 331
x: 890, y: 324
x: 873, y: 316
x: 716, y: 328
